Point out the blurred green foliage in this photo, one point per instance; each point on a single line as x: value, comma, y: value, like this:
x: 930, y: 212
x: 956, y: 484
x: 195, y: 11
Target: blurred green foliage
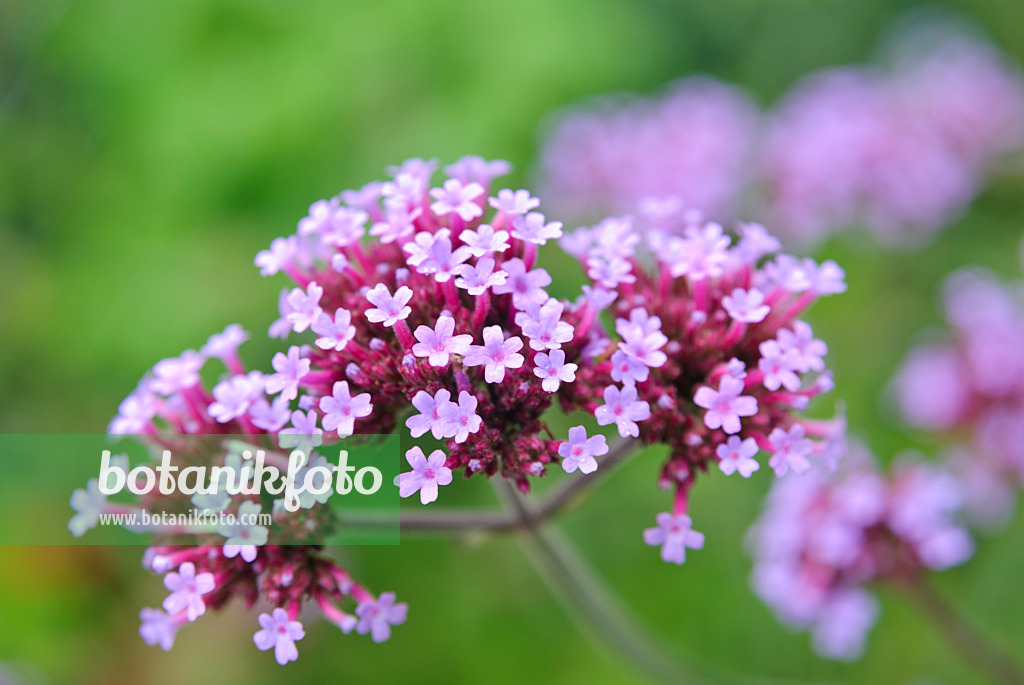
x: 149, y: 149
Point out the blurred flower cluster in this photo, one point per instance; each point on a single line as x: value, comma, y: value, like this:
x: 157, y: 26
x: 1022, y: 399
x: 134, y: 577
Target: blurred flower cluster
x: 969, y: 385
x: 900, y: 150
x: 823, y: 539
x: 422, y: 305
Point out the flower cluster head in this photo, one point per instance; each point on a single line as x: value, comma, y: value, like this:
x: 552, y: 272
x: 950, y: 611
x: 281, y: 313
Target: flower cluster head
x: 706, y: 354
x: 823, y: 539
x: 901, y: 150
x: 416, y: 303
x: 969, y: 383
x: 695, y: 141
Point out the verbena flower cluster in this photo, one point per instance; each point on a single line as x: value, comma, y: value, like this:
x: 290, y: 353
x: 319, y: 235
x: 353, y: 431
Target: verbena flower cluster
x: 696, y: 141
x: 969, y: 384
x: 901, y: 151
x: 422, y: 306
x: 824, y: 539
x: 439, y: 320
x: 708, y: 353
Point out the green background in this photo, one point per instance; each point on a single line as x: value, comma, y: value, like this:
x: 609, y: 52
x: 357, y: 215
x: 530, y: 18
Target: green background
x: 149, y: 149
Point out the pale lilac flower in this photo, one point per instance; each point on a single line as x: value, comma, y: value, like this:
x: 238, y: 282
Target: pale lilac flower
x: 233, y: 396
x: 177, y: 373
x: 282, y: 253
x: 726, y: 406
x: 244, y: 536
x: 458, y: 198
x: 399, y: 223
x: 484, y: 240
x: 158, y: 628
x: 552, y: 370
x: 304, y: 306
x: 609, y: 272
x: 304, y: 424
x: 533, y: 229
x: 737, y: 454
x: 479, y: 277
x: 543, y: 325
x: 334, y: 332
x: 746, y: 306
x: 779, y: 366
x: 791, y: 450
x: 496, y: 354
x: 438, y: 344
x: 674, y: 534
x: 279, y: 632
x: 291, y: 368
x: 627, y: 369
x: 426, y: 475
x: 622, y: 408
x: 433, y: 254
x: 88, y: 505
x: 579, y: 451
x: 376, y: 618
x: 843, y: 625
x: 809, y: 351
x: 388, y: 309
x: 224, y: 345
x: 642, y: 337
x: 270, y: 416
x: 514, y: 203
x: 472, y: 168
x: 341, y: 409
x: 187, y: 590
x: 428, y: 419
x: 525, y: 286
x: 460, y: 420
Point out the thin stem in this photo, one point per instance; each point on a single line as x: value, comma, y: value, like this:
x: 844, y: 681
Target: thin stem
x: 485, y: 520
x: 962, y: 636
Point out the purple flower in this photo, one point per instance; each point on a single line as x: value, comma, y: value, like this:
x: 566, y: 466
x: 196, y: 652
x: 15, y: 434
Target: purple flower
x: 291, y: 368
x: 268, y: 416
x: 543, y: 326
x: 426, y: 475
x: 187, y: 590
x: 479, y: 277
x: 244, y: 535
x: 282, y: 253
x: 791, y: 450
x: 304, y: 306
x: 277, y: 630
x: 496, y: 354
x: 726, y: 405
x: 233, y: 396
x: 387, y: 308
x: 738, y: 455
x: 610, y: 272
x: 177, y: 373
x: 341, y: 409
x: 429, y: 418
x: 303, y: 425
x: 377, y: 617
x: 642, y: 337
x: 779, y: 366
x: 224, y: 345
x: 431, y: 253
x: 439, y: 343
x: 514, y: 203
x: 746, y: 306
x: 532, y: 229
x: 579, y: 451
x: 525, y: 286
x: 808, y: 352
x: 627, y: 369
x: 472, y: 168
x: 552, y: 370
x: 622, y: 408
x: 399, y: 222
x: 88, y: 505
x: 334, y: 332
x: 460, y: 420
x: 674, y: 534
x: 458, y: 198
x: 484, y: 240
x: 158, y: 628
